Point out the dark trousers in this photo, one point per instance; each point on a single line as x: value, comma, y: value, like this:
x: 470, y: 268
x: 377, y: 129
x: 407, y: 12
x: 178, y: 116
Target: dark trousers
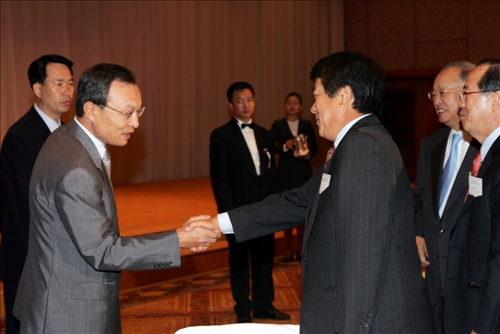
x: 438, y: 312
x: 261, y: 253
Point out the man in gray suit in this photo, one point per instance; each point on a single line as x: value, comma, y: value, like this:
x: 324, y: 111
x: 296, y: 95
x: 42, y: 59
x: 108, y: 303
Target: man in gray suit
x: 360, y: 267
x: 442, y: 182
x: 71, y: 277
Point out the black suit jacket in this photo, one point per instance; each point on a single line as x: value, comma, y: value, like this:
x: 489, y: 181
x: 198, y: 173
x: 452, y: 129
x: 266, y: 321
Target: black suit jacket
x: 20, y: 149
x: 234, y: 179
x: 484, y: 246
x: 360, y: 268
x: 436, y: 230
x: 292, y: 171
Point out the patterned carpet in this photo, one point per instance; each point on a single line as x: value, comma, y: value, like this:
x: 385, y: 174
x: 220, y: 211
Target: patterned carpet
x: 203, y: 299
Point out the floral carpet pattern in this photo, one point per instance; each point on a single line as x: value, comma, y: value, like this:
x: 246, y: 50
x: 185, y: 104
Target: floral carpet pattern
x: 203, y: 299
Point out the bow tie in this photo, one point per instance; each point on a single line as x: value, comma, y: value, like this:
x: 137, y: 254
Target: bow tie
x: 251, y: 125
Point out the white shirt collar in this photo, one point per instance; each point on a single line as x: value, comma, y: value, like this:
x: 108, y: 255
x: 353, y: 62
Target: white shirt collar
x: 51, y: 124
x: 346, y: 128
x: 98, y: 144
x: 485, y: 147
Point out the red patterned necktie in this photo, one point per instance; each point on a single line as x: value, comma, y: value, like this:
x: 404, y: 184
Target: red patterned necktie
x: 329, y: 155
x: 476, y: 164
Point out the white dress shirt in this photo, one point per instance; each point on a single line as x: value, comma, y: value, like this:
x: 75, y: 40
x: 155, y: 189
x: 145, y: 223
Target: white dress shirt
x: 51, y: 124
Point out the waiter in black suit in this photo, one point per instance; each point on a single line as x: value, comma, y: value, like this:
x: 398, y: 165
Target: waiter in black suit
x: 243, y: 171
x: 480, y: 115
x: 51, y: 78
x: 360, y: 267
x: 442, y: 182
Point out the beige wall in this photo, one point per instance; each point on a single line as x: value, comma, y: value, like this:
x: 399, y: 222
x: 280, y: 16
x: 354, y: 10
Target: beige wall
x: 422, y: 34
x: 184, y: 54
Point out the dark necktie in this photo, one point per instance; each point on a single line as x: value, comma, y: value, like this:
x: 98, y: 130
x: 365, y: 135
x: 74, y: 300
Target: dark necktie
x: 449, y: 168
x: 329, y: 155
x: 244, y: 125
x: 476, y: 164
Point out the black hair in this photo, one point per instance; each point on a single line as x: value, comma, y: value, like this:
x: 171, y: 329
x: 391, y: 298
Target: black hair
x: 95, y: 82
x: 237, y: 86
x: 294, y: 94
x: 353, y: 69
x: 37, y: 72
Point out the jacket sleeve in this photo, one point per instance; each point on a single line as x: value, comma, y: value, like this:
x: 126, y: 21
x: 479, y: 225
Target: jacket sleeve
x: 219, y: 161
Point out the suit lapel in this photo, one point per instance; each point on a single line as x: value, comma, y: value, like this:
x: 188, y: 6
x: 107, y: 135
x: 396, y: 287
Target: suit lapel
x: 89, y: 146
x: 462, y: 180
x: 311, y: 216
x: 41, y: 127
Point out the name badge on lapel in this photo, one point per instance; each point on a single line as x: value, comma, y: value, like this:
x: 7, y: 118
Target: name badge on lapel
x: 325, y: 182
x: 475, y: 186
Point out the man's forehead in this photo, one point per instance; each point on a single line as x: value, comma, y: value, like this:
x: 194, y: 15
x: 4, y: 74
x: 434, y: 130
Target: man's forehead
x: 475, y: 75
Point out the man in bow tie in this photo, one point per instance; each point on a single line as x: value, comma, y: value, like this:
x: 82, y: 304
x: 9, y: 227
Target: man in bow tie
x: 243, y: 171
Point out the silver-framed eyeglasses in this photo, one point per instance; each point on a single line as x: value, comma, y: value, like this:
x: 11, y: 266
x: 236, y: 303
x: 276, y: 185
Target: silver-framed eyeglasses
x: 432, y: 95
x: 128, y: 114
x: 462, y: 95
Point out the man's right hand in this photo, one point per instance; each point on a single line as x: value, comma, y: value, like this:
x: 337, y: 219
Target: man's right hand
x: 199, y: 236
x: 422, y: 252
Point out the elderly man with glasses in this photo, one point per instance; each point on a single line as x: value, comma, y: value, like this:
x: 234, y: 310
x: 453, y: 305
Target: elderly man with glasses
x: 480, y: 115
x: 441, y: 184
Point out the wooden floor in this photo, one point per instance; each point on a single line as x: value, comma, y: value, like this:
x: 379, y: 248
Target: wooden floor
x: 160, y: 206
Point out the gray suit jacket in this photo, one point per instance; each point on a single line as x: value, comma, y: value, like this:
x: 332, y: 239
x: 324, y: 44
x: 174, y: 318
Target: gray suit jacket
x: 71, y: 277
x: 360, y: 268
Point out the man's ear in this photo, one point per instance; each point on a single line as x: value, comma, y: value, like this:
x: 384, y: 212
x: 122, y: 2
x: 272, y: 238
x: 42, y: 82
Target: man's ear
x: 37, y: 89
x: 89, y: 109
x: 496, y: 101
x: 231, y: 107
x: 346, y: 96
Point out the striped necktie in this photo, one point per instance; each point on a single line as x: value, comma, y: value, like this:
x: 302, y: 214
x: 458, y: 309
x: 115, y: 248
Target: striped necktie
x: 107, y: 162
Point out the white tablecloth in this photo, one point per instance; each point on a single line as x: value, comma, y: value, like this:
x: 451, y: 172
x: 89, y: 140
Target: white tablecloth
x: 241, y: 329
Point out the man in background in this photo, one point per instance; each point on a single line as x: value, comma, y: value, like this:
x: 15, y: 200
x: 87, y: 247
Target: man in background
x: 360, y: 267
x: 442, y: 182
x: 71, y: 278
x: 480, y: 115
x: 51, y: 79
x: 243, y: 171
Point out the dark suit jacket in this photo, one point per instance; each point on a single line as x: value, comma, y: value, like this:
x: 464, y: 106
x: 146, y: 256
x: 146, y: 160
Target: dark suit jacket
x: 234, y: 179
x: 20, y: 148
x: 71, y: 279
x: 360, y: 268
x: 484, y: 245
x: 438, y: 231
x: 293, y: 172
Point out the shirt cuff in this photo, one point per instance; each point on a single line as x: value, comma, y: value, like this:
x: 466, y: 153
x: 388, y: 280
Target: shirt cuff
x: 225, y: 223
x: 285, y: 149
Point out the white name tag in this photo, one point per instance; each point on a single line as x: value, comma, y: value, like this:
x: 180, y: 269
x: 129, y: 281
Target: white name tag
x: 325, y: 182
x: 475, y: 186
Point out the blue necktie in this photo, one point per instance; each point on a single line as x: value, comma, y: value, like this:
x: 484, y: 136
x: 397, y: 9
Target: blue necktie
x: 449, y: 168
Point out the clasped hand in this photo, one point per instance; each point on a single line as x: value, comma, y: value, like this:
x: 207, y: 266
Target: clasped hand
x: 198, y: 233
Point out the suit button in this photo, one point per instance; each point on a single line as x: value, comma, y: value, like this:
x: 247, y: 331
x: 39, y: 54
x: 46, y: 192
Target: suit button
x: 442, y: 230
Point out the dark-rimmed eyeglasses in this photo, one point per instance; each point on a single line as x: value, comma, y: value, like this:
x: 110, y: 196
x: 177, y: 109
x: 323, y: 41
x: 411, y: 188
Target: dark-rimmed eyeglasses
x: 128, y: 114
x: 432, y: 95
x: 462, y: 95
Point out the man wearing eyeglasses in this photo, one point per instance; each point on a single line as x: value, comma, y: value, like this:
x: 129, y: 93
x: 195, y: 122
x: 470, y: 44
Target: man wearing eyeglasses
x: 480, y: 115
x: 441, y: 184
x: 51, y: 79
x: 71, y: 278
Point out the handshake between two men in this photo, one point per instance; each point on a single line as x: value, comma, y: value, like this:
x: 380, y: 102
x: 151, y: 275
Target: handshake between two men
x: 198, y: 233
